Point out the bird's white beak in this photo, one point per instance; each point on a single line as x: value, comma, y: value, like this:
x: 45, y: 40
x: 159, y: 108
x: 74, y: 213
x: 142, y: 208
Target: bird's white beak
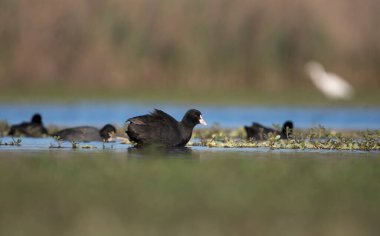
x: 202, y: 121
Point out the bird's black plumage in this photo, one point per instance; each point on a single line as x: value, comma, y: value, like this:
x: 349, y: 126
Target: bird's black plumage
x: 86, y: 133
x: 160, y: 129
x: 259, y: 132
x: 34, y: 128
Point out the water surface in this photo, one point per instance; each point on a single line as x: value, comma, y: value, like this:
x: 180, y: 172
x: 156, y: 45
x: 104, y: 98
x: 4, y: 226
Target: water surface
x: 100, y: 113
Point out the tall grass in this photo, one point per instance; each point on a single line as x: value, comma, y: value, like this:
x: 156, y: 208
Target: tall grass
x: 218, y: 44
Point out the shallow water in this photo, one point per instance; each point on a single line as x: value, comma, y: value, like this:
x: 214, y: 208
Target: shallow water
x: 115, y: 189
x: 52, y: 192
x: 43, y: 145
x: 100, y: 113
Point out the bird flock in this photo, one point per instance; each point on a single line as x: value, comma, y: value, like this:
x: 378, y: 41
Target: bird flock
x: 154, y: 129
x: 160, y: 129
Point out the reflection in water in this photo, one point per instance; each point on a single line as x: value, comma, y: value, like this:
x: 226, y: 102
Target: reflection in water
x: 162, y: 152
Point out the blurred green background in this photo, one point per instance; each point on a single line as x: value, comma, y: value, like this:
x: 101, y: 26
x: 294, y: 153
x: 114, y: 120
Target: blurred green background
x: 220, y: 49
x: 219, y: 193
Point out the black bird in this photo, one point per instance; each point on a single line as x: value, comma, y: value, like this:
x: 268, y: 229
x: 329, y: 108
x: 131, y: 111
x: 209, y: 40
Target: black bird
x: 160, y: 129
x: 34, y: 128
x: 86, y: 133
x: 260, y: 132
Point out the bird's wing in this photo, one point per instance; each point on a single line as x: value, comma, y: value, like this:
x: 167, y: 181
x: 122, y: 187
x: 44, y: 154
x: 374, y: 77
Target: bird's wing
x: 164, y: 116
x: 83, y: 133
x: 260, y: 128
x: 257, y: 131
x: 156, y: 127
x: 28, y: 129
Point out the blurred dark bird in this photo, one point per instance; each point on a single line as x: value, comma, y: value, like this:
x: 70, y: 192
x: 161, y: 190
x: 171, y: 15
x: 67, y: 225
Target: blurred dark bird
x: 34, y: 128
x: 160, y: 129
x: 331, y: 85
x: 86, y: 133
x: 260, y: 132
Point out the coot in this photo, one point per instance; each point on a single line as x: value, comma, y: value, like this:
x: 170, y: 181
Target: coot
x: 86, y: 133
x: 160, y: 129
x: 260, y: 132
x: 34, y: 128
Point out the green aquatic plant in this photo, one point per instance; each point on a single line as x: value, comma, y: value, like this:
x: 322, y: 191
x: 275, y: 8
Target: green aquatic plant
x: 4, y: 127
x: 314, y: 138
x: 104, y: 145
x: 273, y: 140
x: 318, y: 138
x: 370, y: 140
x: 215, y: 129
x: 14, y: 142
x: 288, y: 132
x: 88, y: 147
x: 74, y: 144
x: 58, y: 141
x: 276, y: 127
x: 321, y: 131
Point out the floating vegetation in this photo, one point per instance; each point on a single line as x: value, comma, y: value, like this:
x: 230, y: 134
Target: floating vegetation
x: 104, y: 145
x: 74, y: 144
x: 14, y: 142
x: 88, y: 147
x: 314, y: 138
x: 4, y: 127
x: 216, y: 131
x: 58, y: 141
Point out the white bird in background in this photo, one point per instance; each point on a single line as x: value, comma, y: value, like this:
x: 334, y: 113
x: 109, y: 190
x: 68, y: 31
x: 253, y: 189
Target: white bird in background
x: 331, y: 85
